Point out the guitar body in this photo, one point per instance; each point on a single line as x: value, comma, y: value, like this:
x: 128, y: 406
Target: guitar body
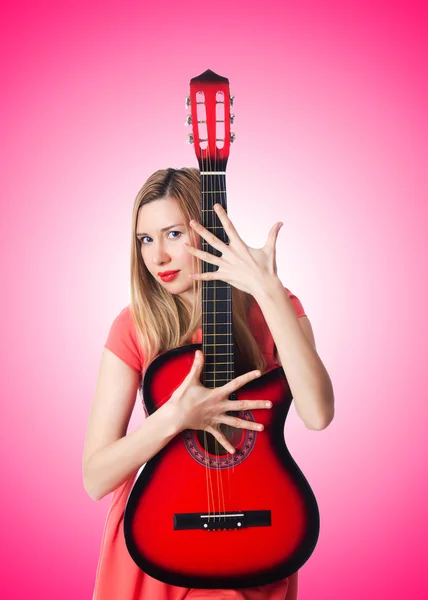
x: 218, y: 520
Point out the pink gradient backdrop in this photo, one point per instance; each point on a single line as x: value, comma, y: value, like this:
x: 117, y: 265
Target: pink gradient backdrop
x: 331, y: 138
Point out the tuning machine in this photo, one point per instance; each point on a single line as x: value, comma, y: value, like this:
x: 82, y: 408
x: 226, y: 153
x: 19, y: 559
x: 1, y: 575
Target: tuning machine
x: 190, y: 139
x: 188, y: 120
x: 232, y: 136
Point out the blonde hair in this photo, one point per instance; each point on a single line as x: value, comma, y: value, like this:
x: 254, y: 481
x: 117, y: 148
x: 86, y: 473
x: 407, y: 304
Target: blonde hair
x: 162, y: 320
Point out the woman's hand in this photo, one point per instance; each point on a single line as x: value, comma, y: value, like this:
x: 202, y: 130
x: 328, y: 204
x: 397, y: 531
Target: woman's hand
x: 243, y: 267
x: 197, y: 407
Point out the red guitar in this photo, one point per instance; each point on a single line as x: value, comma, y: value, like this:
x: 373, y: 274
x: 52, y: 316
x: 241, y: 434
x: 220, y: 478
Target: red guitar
x: 257, y: 504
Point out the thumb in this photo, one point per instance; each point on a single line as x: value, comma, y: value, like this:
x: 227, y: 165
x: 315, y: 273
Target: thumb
x: 273, y: 235
x: 195, y: 371
x: 198, y: 360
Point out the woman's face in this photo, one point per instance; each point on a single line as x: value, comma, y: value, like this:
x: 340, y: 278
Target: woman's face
x: 162, y: 231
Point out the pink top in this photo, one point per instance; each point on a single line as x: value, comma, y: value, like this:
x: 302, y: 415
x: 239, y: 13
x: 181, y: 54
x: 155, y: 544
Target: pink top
x: 118, y: 577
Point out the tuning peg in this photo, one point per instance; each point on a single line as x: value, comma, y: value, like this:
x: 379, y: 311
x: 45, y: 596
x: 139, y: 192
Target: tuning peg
x: 232, y: 136
x: 232, y: 117
x: 187, y: 101
x: 188, y: 120
x: 232, y: 98
x: 190, y: 138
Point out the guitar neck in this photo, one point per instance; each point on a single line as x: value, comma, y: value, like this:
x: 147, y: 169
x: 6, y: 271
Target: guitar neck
x: 217, y: 332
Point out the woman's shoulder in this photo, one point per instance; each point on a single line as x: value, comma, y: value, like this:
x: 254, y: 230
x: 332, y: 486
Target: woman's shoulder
x: 124, y: 314
x: 122, y: 339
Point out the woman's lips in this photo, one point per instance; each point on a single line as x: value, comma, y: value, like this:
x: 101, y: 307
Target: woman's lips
x: 169, y: 277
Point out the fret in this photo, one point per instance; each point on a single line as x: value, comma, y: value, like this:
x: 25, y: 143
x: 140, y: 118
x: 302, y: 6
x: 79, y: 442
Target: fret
x: 218, y: 301
x: 220, y: 297
x: 218, y: 334
x: 221, y: 317
x: 230, y: 374
x: 217, y: 354
x: 228, y: 362
x: 219, y: 285
x: 223, y: 373
x: 222, y: 344
x: 213, y: 191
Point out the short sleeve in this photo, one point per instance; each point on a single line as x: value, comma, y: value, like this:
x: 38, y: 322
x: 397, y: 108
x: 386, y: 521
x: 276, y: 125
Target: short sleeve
x: 261, y: 331
x: 300, y: 312
x: 122, y: 340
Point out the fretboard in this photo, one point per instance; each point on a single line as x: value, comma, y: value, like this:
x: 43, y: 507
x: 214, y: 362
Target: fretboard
x: 217, y: 334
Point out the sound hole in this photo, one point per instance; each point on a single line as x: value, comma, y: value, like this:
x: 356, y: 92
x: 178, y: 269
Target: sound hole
x: 212, y: 445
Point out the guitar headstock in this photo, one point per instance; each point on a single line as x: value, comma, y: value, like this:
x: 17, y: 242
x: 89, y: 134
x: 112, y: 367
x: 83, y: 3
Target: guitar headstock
x: 210, y: 117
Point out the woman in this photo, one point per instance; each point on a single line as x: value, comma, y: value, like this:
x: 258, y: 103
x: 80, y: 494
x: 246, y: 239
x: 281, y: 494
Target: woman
x: 269, y: 325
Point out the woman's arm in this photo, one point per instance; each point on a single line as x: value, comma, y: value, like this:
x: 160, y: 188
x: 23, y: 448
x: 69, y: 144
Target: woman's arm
x: 110, y: 456
x: 307, y: 376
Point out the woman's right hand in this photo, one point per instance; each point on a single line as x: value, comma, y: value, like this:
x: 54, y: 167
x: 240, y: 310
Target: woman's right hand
x: 198, y: 407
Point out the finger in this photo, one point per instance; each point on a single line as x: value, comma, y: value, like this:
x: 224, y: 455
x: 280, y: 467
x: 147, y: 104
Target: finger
x: 209, y: 237
x: 222, y: 439
x: 209, y: 276
x: 240, y: 381
x: 240, y: 423
x: 236, y: 405
x: 229, y: 227
x: 273, y: 236
x: 198, y: 361
x: 205, y: 256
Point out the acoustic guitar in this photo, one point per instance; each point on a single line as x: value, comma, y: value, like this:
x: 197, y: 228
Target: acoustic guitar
x: 198, y: 516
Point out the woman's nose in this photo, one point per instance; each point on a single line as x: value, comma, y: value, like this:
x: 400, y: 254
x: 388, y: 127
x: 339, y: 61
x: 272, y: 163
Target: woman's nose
x: 160, y: 257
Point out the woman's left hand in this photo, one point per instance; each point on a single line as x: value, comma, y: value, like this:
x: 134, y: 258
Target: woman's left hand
x: 243, y: 267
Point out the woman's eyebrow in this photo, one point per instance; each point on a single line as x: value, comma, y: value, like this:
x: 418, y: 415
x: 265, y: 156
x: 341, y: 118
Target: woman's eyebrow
x: 165, y: 228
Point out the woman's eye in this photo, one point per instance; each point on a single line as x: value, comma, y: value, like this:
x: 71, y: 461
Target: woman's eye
x: 147, y: 236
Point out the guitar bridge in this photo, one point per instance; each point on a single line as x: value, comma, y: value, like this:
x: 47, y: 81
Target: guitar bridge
x: 222, y: 521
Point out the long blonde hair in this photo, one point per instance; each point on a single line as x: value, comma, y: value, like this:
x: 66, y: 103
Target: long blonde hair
x: 162, y: 320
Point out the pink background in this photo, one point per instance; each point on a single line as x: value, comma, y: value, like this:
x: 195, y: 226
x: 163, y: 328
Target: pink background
x: 331, y: 138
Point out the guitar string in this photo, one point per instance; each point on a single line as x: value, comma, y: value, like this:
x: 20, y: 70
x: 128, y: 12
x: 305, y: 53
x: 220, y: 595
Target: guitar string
x: 210, y: 269
x: 219, y: 471
x: 223, y: 202
x: 214, y: 179
x: 210, y: 492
